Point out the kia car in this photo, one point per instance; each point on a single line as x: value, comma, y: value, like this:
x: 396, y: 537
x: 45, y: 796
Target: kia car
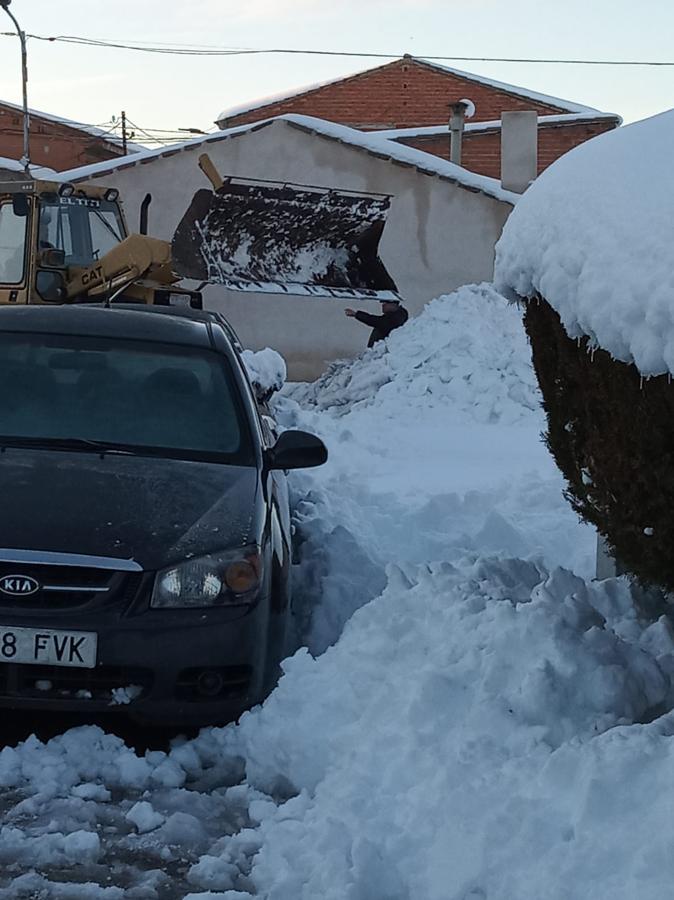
x: 145, y: 535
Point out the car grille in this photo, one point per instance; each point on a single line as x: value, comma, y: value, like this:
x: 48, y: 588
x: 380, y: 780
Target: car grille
x: 86, y: 685
x: 67, y: 587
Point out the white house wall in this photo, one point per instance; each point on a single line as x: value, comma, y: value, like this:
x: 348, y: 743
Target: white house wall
x: 438, y: 235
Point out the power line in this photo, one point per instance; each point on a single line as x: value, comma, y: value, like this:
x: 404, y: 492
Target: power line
x: 107, y: 131
x: 206, y: 50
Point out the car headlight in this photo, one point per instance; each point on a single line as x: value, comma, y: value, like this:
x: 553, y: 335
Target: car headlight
x: 221, y: 579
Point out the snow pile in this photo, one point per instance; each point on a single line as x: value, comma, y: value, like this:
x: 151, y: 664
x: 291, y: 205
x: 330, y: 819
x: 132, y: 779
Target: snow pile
x: 435, y: 453
x: 266, y: 369
x: 593, y: 236
x: 456, y: 744
x: 480, y: 730
x: 466, y: 352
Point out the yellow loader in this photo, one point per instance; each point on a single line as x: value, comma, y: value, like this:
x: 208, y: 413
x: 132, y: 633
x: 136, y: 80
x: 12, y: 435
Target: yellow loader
x: 61, y: 243
x: 65, y: 243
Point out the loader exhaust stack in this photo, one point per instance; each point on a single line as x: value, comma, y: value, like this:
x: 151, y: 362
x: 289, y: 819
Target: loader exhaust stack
x: 267, y: 236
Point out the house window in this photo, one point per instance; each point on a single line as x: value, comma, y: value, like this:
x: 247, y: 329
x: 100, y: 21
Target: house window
x: 12, y: 245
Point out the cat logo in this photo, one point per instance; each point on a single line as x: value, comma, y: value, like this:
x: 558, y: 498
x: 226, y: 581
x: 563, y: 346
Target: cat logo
x: 19, y: 585
x: 92, y: 275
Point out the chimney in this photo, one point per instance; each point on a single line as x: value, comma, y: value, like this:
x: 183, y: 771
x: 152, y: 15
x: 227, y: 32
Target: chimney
x: 457, y: 121
x: 519, y: 149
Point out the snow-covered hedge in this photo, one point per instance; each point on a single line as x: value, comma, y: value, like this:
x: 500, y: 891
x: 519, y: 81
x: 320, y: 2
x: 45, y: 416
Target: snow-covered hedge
x: 611, y: 433
x: 590, y: 246
x: 593, y: 235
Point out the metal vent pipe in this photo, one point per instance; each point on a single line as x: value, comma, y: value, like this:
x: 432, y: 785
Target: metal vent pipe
x: 457, y: 122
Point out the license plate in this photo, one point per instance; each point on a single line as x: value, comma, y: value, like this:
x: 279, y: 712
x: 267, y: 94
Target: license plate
x: 43, y: 646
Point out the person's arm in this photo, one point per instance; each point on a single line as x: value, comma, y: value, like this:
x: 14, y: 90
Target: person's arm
x: 369, y: 319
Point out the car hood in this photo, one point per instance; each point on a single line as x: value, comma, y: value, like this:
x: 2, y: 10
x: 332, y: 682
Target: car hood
x: 154, y: 511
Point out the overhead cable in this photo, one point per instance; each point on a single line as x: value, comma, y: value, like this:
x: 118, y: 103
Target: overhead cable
x: 205, y: 50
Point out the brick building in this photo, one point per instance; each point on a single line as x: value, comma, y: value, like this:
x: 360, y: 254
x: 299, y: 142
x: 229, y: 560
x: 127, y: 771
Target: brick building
x: 55, y: 142
x: 409, y: 101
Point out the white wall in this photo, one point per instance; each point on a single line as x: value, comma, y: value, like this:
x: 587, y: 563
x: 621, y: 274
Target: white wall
x: 438, y: 235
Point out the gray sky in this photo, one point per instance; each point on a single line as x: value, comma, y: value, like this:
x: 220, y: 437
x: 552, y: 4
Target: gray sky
x: 176, y: 92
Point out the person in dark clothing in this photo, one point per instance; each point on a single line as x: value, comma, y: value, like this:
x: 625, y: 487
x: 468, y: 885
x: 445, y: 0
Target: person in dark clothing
x: 394, y: 315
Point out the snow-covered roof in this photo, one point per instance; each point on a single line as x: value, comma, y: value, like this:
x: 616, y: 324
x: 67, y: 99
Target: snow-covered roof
x: 108, y: 166
x: 593, y: 235
x: 375, y: 145
x: 279, y: 96
x: 13, y: 165
x: 426, y: 163
x: 93, y: 130
x: 495, y: 124
x: 261, y: 102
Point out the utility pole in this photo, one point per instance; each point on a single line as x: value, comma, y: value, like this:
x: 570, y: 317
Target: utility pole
x: 123, y: 128
x: 25, y: 159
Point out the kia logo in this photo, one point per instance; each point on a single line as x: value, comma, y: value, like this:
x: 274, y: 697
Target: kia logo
x: 18, y: 585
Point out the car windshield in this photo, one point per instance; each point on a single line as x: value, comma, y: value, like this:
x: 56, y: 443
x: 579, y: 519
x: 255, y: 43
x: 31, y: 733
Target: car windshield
x: 150, y: 398
x: 84, y: 228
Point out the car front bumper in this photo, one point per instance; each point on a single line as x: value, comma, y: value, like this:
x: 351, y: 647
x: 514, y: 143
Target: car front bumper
x: 183, y: 667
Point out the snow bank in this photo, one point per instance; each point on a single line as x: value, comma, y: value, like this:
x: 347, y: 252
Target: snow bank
x: 481, y: 730
x: 435, y: 453
x: 466, y: 352
x: 463, y: 740
x: 593, y: 236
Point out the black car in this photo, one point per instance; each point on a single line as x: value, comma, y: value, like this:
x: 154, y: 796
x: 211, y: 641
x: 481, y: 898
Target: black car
x: 144, y: 517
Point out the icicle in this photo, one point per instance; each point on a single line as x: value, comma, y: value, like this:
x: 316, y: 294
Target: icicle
x: 641, y: 383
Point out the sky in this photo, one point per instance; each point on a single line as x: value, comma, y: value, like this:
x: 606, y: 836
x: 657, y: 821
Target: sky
x: 170, y: 92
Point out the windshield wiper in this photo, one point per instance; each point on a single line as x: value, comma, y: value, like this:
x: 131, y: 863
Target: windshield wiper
x: 105, y: 222
x: 67, y: 444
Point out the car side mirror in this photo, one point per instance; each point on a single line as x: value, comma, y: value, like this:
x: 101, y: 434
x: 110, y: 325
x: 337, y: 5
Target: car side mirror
x: 50, y: 286
x: 297, y: 450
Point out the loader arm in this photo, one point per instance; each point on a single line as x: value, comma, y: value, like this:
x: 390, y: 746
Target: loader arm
x: 136, y: 257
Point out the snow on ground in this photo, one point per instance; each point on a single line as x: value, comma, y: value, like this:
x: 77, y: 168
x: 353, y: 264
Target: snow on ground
x: 435, y: 452
x: 593, y: 236
x: 476, y: 722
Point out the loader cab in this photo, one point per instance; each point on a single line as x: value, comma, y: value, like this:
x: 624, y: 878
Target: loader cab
x: 83, y: 228
x: 47, y: 232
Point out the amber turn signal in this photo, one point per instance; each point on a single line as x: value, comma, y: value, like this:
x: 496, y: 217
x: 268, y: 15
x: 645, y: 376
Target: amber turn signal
x: 242, y: 576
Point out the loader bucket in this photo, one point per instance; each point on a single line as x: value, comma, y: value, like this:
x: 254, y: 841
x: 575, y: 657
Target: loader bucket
x: 266, y: 236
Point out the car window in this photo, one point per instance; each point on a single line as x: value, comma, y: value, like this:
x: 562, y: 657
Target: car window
x: 174, y: 400
x: 12, y: 245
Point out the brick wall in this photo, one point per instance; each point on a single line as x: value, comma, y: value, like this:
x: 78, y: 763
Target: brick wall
x: 481, y: 152
x: 403, y: 94
x: 51, y: 144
